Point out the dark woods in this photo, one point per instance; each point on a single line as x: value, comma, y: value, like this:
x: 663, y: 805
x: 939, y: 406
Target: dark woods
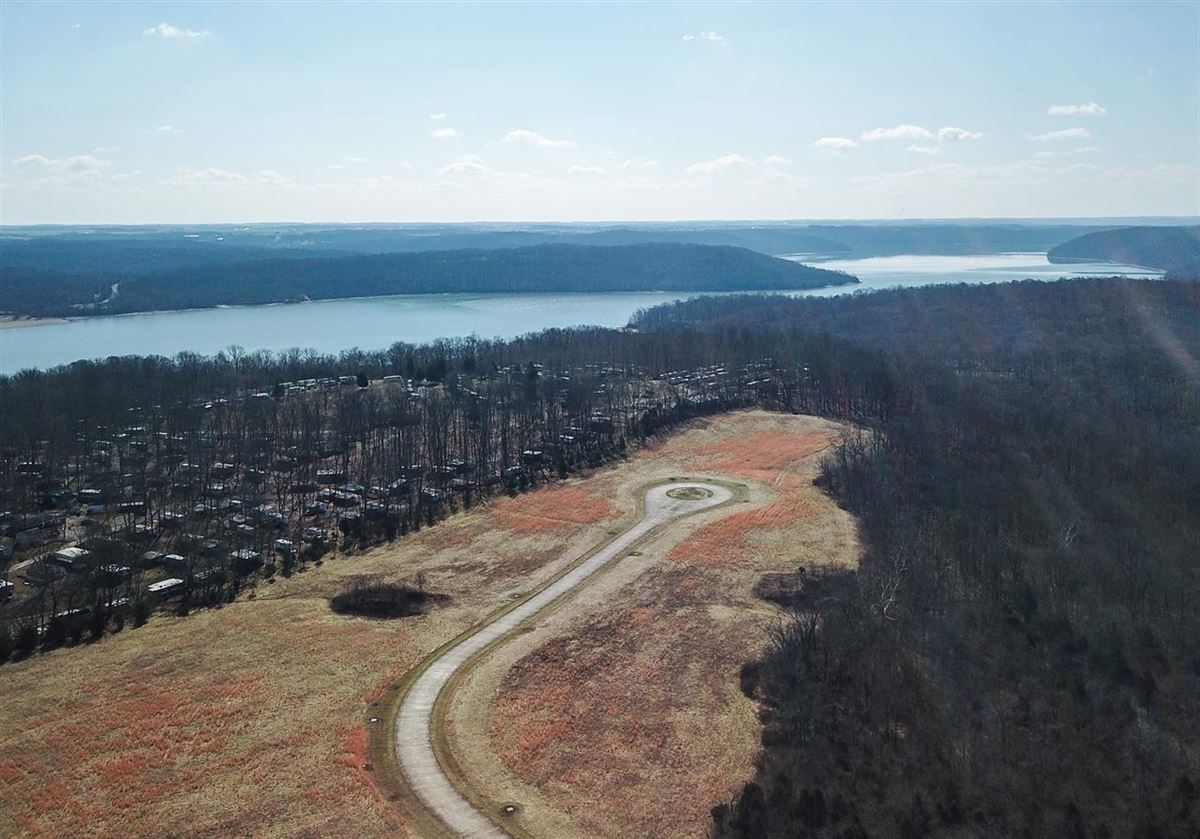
x: 1019, y: 654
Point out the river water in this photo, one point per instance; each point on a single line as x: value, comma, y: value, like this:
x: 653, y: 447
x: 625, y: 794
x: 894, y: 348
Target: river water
x: 377, y: 322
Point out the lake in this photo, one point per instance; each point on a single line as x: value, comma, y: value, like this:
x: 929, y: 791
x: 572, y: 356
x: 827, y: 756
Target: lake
x: 377, y: 322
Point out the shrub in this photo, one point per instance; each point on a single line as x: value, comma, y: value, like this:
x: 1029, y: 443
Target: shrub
x: 27, y: 640
x: 369, y: 596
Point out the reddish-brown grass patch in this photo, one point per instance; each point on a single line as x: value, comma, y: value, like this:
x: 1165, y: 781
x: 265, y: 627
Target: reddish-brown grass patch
x: 765, y: 456
x: 726, y: 541
x: 566, y: 718
x: 558, y: 510
x: 771, y: 451
x: 159, y: 731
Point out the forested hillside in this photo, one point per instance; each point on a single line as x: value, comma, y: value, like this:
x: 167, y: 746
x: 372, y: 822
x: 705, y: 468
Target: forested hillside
x: 542, y: 268
x: 1175, y: 250
x: 1017, y: 656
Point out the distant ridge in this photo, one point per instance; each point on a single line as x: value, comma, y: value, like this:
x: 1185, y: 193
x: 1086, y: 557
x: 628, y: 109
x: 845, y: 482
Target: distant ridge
x: 1175, y: 250
x: 541, y: 268
x: 153, y: 248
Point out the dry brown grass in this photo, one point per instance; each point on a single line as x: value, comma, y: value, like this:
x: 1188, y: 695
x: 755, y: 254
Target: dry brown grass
x: 250, y: 720
x: 233, y: 721
x: 625, y: 718
x: 625, y: 722
x: 554, y: 510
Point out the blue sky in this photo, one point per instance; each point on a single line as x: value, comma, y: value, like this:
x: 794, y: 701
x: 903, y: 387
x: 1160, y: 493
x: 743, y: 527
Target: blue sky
x: 215, y: 112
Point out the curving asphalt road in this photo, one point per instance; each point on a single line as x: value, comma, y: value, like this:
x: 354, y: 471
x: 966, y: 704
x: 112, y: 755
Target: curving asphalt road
x: 413, y: 733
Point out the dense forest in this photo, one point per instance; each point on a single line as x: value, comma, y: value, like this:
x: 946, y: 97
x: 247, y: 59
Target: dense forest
x: 1175, y: 250
x: 1016, y: 655
x: 541, y: 268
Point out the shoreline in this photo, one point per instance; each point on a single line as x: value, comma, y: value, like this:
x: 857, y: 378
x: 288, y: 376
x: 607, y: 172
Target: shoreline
x: 13, y: 321
x: 20, y: 321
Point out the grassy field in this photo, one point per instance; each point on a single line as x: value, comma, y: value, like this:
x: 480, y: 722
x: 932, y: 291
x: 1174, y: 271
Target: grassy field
x: 621, y: 714
x: 252, y: 719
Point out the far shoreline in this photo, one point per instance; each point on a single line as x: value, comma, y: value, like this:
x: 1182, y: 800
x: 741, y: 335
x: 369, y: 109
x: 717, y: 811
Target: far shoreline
x: 19, y: 321
x: 12, y: 321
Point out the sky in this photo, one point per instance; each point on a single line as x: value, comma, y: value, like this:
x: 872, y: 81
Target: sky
x: 223, y: 112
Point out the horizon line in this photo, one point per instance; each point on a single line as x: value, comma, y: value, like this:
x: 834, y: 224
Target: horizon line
x: 578, y: 222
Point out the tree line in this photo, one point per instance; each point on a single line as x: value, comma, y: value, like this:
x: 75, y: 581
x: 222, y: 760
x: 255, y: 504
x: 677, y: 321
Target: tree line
x: 220, y: 471
x: 1017, y: 655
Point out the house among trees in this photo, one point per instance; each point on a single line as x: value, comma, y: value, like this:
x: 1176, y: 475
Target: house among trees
x: 70, y: 559
x: 166, y: 588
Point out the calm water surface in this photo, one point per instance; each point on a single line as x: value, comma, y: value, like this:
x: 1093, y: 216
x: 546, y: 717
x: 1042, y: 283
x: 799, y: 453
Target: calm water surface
x: 375, y: 323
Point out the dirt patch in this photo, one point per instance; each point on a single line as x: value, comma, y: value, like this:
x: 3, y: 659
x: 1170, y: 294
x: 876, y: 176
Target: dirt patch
x: 689, y: 493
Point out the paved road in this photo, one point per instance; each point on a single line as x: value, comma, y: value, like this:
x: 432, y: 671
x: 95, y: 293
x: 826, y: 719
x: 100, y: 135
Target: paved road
x: 414, y: 749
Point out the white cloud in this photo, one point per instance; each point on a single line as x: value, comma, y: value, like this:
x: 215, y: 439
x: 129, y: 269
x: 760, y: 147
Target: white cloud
x: 524, y: 135
x: 166, y: 30
x: 59, y: 170
x: 585, y: 170
x: 439, y: 115
x: 898, y: 132
x: 356, y: 160
x: 778, y: 160
x: 168, y: 129
x: 212, y: 177
x: 952, y: 133
x: 836, y: 145
x: 635, y: 164
x: 925, y: 149
x: 1047, y: 154
x: 773, y: 178
x: 470, y: 164
x: 1062, y: 134
x: 720, y: 164
x: 711, y: 37
x: 1090, y: 109
x: 444, y: 134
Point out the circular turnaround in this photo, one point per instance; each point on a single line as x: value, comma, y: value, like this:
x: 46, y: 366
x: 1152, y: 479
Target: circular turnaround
x: 414, y: 734
x: 690, y: 493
